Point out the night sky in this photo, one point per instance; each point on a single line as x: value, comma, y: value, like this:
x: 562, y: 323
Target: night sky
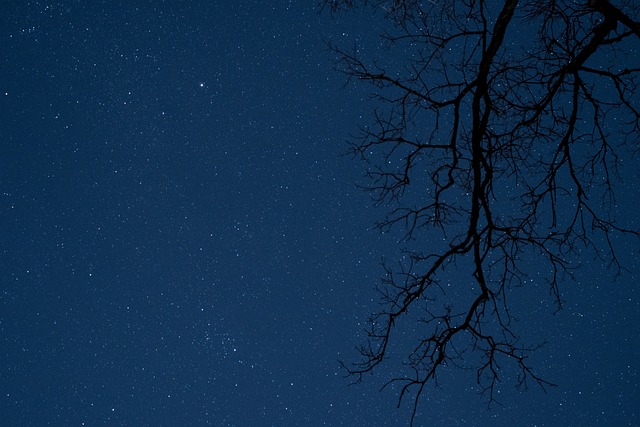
x: 182, y: 241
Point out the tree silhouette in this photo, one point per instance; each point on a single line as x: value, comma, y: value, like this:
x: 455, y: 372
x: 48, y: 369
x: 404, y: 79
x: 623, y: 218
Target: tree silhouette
x: 496, y: 144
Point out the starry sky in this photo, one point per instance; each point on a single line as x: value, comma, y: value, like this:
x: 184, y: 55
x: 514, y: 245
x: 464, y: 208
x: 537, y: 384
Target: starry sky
x: 182, y: 241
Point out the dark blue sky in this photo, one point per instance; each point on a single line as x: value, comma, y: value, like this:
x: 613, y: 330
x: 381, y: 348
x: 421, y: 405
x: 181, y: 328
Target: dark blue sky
x: 181, y: 242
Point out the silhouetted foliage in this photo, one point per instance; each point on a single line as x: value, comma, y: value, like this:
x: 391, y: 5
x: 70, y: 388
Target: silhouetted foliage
x: 502, y: 131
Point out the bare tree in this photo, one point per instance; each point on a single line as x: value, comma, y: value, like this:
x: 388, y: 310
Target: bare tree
x: 502, y: 130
